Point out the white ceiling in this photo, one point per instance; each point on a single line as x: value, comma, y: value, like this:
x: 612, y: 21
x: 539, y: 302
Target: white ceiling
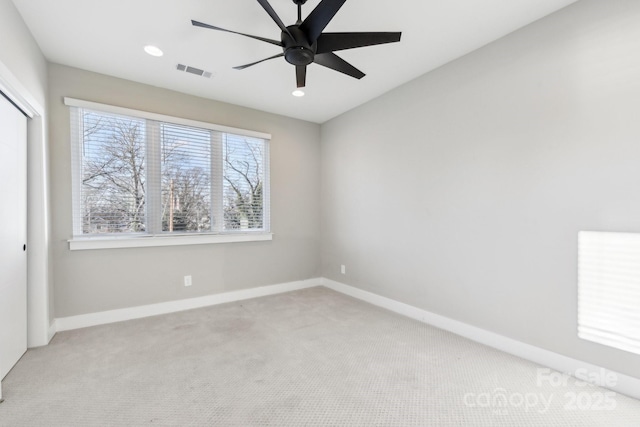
x: 108, y: 37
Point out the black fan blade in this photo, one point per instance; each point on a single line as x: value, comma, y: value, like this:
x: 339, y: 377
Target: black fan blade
x: 333, y: 61
x: 331, y: 42
x: 317, y: 20
x: 301, y: 75
x: 242, y: 67
x: 203, y: 25
x: 272, y: 13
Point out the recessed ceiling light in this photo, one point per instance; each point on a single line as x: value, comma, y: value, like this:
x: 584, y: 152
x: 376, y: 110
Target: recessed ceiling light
x: 297, y: 93
x: 153, y: 50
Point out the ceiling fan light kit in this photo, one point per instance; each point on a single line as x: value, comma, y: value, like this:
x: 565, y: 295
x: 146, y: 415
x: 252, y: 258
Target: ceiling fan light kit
x: 304, y: 42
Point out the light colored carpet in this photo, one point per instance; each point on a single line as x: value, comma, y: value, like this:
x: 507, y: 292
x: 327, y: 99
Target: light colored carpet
x: 306, y: 358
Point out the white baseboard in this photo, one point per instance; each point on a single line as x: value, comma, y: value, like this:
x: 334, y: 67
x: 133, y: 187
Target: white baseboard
x: 52, y: 330
x: 625, y: 384
x: 112, y: 316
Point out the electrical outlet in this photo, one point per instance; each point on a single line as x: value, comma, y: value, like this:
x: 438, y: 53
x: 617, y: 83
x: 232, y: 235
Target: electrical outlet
x: 343, y: 269
x: 187, y: 281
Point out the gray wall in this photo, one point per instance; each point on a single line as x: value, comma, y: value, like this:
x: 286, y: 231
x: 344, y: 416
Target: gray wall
x: 462, y: 192
x: 97, y: 280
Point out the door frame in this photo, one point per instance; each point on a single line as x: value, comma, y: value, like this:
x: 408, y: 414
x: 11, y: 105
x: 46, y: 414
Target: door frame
x: 39, y: 328
x: 14, y: 283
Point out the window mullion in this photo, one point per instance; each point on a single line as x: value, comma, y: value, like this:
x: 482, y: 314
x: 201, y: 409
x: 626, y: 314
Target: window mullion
x: 154, y: 177
x: 217, y: 178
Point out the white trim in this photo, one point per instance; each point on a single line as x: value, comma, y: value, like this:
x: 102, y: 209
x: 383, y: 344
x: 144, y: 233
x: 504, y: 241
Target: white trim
x: 37, y: 207
x: 15, y: 91
x: 52, y: 330
x: 146, y: 241
x: 38, y: 234
x: 625, y: 384
x: 112, y: 316
x: 72, y: 102
x: 153, y: 236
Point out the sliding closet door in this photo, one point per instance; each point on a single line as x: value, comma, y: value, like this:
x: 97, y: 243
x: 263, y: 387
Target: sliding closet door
x: 13, y: 235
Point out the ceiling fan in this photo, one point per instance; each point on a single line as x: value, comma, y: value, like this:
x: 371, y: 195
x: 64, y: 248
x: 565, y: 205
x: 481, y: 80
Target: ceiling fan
x: 304, y: 42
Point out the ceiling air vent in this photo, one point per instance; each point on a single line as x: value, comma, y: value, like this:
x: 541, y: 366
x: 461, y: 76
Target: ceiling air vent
x: 194, y: 70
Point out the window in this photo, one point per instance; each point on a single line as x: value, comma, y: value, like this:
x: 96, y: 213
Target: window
x: 609, y: 289
x: 138, y: 174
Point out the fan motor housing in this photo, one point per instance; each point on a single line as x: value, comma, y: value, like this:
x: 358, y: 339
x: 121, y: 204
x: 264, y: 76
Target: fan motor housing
x: 299, y: 56
x: 297, y: 49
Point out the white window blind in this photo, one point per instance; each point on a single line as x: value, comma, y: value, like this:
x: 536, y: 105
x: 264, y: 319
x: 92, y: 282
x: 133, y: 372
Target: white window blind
x: 142, y: 174
x: 609, y: 289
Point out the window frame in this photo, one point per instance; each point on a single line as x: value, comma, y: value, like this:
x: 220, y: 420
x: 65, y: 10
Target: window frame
x: 81, y: 241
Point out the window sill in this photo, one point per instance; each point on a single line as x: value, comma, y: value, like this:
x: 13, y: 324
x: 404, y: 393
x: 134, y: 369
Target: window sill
x: 88, y: 243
